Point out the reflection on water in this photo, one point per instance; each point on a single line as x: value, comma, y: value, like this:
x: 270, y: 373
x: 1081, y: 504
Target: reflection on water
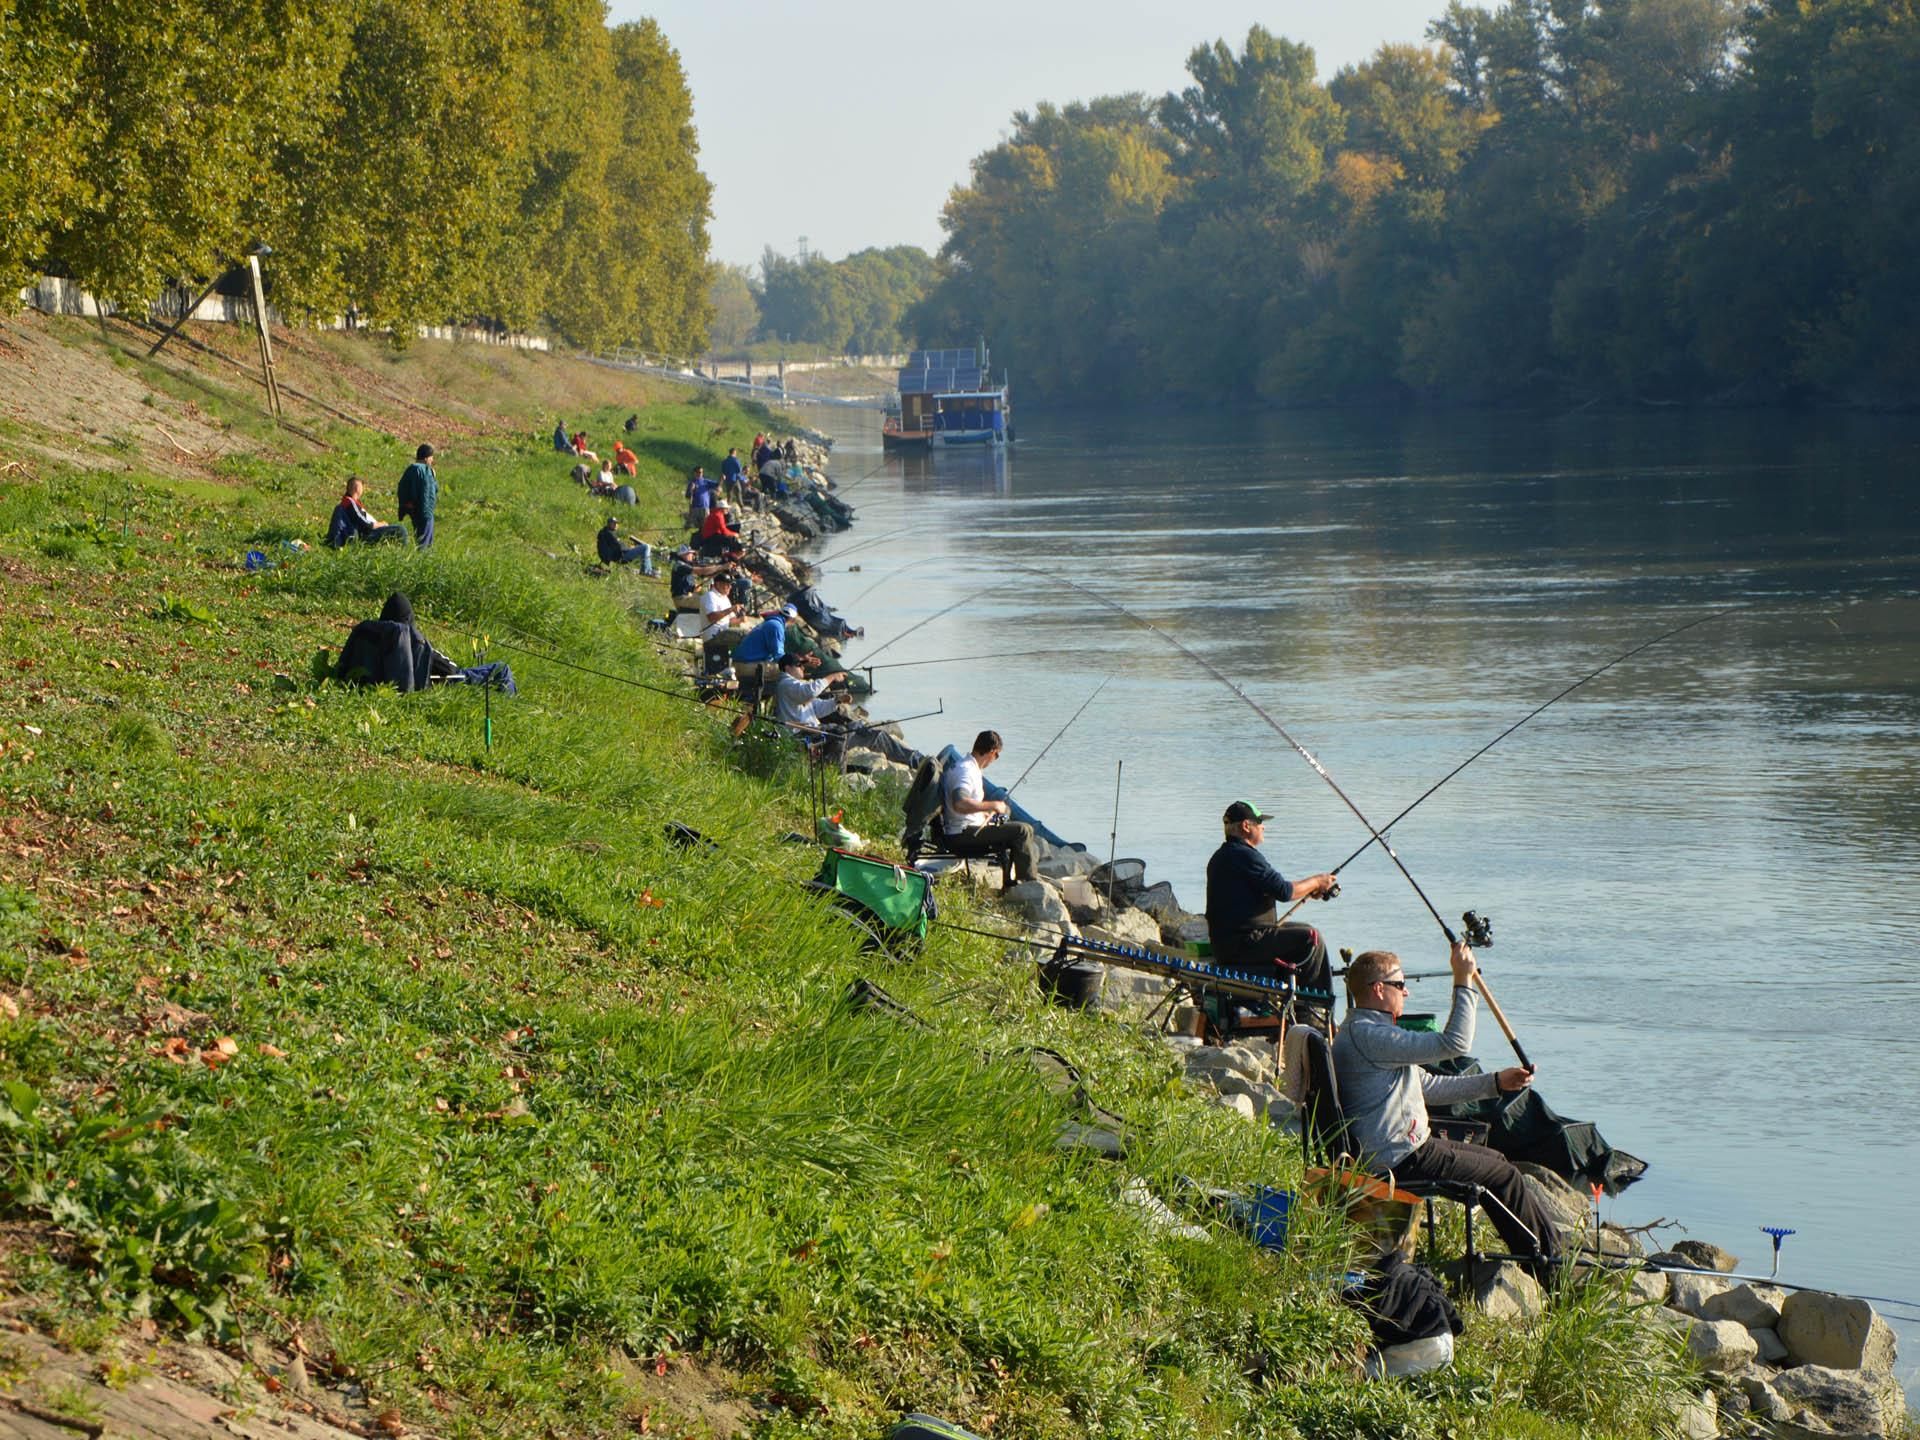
x: 1701, y: 865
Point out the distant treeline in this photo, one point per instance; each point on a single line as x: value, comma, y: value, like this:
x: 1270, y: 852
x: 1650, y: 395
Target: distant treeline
x: 855, y: 306
x: 512, y: 160
x: 1657, y: 200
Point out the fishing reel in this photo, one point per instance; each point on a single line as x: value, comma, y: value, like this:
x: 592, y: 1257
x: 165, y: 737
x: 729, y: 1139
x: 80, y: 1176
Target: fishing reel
x: 1477, y: 930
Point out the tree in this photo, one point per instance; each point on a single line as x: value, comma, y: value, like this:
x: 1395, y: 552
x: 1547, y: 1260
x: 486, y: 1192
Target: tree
x: 736, y: 307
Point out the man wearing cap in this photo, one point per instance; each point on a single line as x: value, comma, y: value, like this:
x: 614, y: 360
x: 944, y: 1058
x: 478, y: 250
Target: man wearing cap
x: 683, y: 580
x: 419, y: 493
x: 717, y: 535
x: 810, y: 708
x: 613, y: 552
x: 722, y: 630
x: 1241, y: 890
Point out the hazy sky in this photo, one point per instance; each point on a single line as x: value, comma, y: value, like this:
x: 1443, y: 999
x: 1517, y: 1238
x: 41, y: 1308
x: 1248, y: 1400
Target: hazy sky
x: 848, y: 121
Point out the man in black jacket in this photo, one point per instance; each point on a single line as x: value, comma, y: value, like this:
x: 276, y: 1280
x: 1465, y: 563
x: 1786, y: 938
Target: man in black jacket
x: 1241, y: 890
x: 614, y: 552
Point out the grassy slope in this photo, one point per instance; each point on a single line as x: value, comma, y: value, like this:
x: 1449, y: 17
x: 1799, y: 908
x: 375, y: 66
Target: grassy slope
x: 523, y: 1101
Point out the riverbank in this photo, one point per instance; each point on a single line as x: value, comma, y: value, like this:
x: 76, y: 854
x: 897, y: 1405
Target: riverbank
x: 433, y: 1080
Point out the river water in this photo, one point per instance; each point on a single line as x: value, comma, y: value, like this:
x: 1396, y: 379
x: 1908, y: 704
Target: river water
x: 1700, y: 867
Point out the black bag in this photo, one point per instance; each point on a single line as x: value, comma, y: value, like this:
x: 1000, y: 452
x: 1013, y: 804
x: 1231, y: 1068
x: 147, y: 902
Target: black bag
x: 926, y: 1427
x: 923, y: 804
x: 1404, y: 1303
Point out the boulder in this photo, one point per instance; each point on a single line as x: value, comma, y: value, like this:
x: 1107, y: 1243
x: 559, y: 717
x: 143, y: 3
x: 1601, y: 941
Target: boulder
x: 1242, y: 1060
x: 1038, y: 901
x: 1835, y: 1331
x: 1127, y: 927
x: 1187, y: 1020
x: 1503, y: 1291
x: 1239, y: 1104
x: 1763, y: 1401
x: 1755, y: 1306
x: 1844, y: 1402
x: 1772, y: 1350
x: 1096, y: 912
x: 1704, y: 1256
x: 1689, y: 1293
x: 1563, y: 1202
x: 1263, y: 1095
x: 1722, y: 1346
x: 1128, y: 990
x: 1697, y: 1417
x: 1619, y: 1243
x: 1058, y: 864
x: 1649, y: 1285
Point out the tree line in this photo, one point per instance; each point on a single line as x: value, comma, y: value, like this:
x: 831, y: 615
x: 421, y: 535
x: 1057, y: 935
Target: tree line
x: 855, y: 306
x: 1648, y: 200
x: 517, y: 161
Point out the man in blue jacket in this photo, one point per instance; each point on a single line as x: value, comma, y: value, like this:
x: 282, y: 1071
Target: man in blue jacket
x: 419, y: 493
x: 757, y: 657
x: 1241, y: 890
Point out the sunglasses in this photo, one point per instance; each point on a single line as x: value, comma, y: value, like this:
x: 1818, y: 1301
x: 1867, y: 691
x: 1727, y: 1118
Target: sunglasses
x: 1399, y: 985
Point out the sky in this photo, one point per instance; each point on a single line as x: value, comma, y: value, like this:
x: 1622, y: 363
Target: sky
x: 849, y: 121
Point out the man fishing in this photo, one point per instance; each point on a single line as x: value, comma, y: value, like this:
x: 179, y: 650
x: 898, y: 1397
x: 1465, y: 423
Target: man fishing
x: 1242, y: 888
x: 975, y: 825
x: 1384, y: 1092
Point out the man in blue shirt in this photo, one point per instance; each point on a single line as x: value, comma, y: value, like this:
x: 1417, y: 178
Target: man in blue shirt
x: 1241, y: 890
x: 757, y: 657
x: 419, y: 493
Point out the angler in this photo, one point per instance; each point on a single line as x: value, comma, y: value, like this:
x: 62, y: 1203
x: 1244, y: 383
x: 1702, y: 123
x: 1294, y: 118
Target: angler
x: 1241, y: 890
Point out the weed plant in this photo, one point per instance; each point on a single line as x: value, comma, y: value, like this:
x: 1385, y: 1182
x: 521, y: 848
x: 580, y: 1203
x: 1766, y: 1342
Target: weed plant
x: 335, y: 1022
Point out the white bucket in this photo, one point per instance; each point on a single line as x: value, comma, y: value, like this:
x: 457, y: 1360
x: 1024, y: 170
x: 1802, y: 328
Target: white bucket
x: 1076, y: 890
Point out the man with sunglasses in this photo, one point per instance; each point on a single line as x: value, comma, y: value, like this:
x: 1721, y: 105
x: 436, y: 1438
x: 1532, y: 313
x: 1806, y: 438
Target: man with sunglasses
x: 1385, y: 1093
x: 1242, y: 889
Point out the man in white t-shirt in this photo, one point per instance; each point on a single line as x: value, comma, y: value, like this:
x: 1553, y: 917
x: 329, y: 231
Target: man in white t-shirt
x: 722, y: 630
x: 975, y: 825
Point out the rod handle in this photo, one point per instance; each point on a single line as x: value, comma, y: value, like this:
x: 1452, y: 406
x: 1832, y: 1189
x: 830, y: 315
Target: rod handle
x: 1500, y: 1018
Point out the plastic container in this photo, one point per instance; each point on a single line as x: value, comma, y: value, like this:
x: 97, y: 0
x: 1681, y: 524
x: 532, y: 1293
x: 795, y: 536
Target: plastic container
x: 1416, y: 1357
x: 1077, y: 890
x: 1272, y: 1209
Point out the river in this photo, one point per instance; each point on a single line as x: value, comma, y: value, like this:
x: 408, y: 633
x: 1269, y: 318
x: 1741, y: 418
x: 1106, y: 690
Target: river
x: 1700, y: 867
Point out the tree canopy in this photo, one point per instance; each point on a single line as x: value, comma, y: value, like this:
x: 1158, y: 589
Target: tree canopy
x: 515, y: 160
x: 1629, y: 199
x: 853, y: 306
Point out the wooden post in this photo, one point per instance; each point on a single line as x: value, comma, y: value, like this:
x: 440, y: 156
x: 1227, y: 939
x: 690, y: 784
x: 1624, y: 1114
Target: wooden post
x: 185, y: 315
x: 266, y: 337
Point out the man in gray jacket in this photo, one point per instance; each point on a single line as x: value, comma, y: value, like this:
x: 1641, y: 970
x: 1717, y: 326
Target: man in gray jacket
x: 1384, y: 1092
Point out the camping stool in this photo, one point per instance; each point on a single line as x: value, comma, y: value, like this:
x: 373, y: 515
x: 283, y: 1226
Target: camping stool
x: 934, y: 847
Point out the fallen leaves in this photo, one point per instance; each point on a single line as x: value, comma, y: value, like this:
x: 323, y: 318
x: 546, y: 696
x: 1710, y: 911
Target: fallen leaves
x: 220, y: 1052
x: 648, y: 898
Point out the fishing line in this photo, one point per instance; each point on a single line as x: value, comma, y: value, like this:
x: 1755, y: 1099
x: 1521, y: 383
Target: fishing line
x: 997, y: 584
x: 957, y: 659
x: 886, y: 577
x: 855, y: 549
x: 1061, y: 731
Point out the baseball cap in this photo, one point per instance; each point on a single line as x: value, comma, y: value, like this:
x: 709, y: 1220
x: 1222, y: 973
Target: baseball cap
x: 789, y: 612
x: 1242, y: 810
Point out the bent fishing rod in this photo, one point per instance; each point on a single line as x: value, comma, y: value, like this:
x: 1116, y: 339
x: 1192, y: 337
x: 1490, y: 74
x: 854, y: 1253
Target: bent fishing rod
x: 1385, y: 844
x: 1590, y: 675
x: 963, y: 600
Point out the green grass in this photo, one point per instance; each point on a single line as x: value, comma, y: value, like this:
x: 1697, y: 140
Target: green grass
x: 336, y: 1021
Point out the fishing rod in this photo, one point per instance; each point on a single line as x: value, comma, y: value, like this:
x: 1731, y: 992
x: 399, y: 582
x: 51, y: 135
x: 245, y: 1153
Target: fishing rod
x: 1058, y: 733
x: 865, y: 544
x: 957, y: 659
x: 1385, y: 844
x: 965, y: 599
x: 1590, y: 675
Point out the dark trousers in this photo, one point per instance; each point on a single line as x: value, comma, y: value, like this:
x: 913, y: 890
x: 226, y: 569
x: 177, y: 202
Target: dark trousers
x: 1523, y: 1223
x: 422, y: 530
x: 998, y: 835
x: 1293, y: 952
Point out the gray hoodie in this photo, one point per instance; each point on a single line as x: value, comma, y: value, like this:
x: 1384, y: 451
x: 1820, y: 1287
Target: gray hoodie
x: 1383, y: 1090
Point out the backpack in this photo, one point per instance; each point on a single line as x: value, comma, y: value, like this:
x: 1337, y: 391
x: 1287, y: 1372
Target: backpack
x: 923, y: 804
x: 1404, y: 1302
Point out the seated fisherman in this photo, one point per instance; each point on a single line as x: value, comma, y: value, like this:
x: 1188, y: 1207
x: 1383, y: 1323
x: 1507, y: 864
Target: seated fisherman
x: 812, y: 707
x: 1385, y: 1092
x: 822, y: 617
x: 683, y: 580
x: 614, y: 552
x: 1241, y: 890
x: 722, y: 630
x: 352, y: 522
x: 757, y: 656
x: 392, y: 651
x: 717, y: 535
x: 968, y: 818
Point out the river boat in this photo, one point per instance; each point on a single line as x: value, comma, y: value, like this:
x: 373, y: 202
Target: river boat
x: 948, y: 398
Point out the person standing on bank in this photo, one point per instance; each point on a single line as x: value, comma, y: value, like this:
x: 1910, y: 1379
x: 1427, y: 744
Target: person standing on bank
x: 419, y: 493
x: 1385, y: 1093
x: 1241, y: 891
x: 975, y: 825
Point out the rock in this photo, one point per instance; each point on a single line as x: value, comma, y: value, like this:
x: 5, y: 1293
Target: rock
x: 1649, y: 1285
x: 1689, y: 1293
x: 1773, y: 1350
x: 1503, y: 1291
x: 1835, y: 1331
x: 1755, y: 1306
x: 1763, y: 1401
x: 1239, y: 1104
x: 1058, y: 864
x: 1038, y: 901
x: 1721, y: 1345
x: 1241, y: 1060
x: 1130, y: 989
x: 1619, y: 1243
x: 1127, y: 927
x: 1563, y: 1202
x: 1187, y: 1020
x: 1282, y: 1113
x: 1704, y: 1256
x: 1264, y: 1097
x: 1846, y: 1403
x: 1697, y: 1417
x: 1096, y: 912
